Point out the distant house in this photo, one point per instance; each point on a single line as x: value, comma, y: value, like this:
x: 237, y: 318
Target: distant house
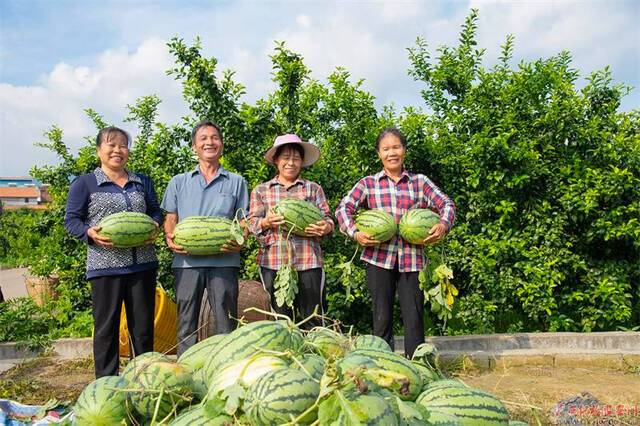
x: 21, y: 192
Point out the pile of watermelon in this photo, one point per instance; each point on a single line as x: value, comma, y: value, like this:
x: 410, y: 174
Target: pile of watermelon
x: 274, y: 373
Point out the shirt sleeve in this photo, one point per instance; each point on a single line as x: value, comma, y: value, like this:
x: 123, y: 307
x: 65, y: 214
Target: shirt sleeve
x: 435, y: 197
x: 348, y: 207
x: 153, y: 208
x: 77, y: 209
x: 170, y: 200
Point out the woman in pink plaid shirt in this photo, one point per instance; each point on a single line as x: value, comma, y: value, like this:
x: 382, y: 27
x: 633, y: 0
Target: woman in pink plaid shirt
x: 290, y: 154
x: 394, y: 265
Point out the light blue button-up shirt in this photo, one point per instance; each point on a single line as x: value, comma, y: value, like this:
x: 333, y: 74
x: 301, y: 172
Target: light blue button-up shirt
x: 189, y: 195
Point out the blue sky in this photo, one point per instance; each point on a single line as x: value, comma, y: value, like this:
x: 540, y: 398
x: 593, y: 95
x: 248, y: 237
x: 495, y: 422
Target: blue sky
x: 59, y: 57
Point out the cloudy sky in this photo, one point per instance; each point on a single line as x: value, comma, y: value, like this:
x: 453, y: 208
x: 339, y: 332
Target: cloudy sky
x: 59, y: 57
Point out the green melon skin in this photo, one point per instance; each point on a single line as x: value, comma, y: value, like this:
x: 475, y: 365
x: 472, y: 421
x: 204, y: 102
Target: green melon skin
x: 196, y: 416
x: 377, y: 224
x: 369, y: 341
x: 197, y: 355
x: 300, y: 213
x: 415, y: 225
x: 312, y: 364
x: 102, y: 402
x: 127, y: 229
x: 202, y: 235
x: 139, y: 363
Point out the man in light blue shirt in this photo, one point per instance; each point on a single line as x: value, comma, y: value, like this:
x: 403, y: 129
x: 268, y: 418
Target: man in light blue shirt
x: 209, y: 190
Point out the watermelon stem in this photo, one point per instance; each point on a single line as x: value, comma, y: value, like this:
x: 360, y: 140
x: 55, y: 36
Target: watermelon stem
x: 157, y: 408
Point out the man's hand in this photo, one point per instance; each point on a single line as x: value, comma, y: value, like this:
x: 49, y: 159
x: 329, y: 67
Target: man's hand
x: 272, y: 220
x: 231, y: 246
x: 318, y: 229
x: 173, y: 246
x: 364, y: 240
x: 99, y: 240
x: 436, y: 233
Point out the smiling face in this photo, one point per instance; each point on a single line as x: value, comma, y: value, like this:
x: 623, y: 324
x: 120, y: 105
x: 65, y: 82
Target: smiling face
x: 207, y: 144
x: 391, y: 153
x: 289, y: 163
x: 113, y: 150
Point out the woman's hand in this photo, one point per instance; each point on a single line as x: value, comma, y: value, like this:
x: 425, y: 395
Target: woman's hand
x: 272, y: 221
x: 318, y: 229
x: 365, y: 240
x: 436, y: 233
x: 99, y: 240
x: 173, y: 246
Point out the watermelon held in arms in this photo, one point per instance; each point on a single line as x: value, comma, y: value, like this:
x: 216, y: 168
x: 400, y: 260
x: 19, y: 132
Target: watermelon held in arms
x: 298, y: 214
x: 128, y: 229
x: 377, y: 224
x: 202, y: 235
x: 415, y: 225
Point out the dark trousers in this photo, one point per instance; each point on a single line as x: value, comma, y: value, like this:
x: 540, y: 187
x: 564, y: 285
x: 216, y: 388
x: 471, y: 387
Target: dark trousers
x: 137, y: 291
x: 383, y: 284
x: 310, y: 295
x: 222, y: 290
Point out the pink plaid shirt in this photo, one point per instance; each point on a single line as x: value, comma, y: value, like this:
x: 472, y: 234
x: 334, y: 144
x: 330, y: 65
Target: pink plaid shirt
x: 273, y: 248
x: 381, y: 192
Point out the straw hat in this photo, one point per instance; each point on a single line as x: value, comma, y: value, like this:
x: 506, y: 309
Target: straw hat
x: 311, y: 152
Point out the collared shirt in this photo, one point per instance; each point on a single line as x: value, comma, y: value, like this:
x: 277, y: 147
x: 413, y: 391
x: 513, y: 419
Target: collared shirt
x: 381, y: 192
x: 273, y: 247
x: 94, y: 196
x: 188, y: 194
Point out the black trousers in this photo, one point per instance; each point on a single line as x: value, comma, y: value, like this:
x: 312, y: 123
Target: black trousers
x: 310, y: 295
x: 383, y: 284
x: 222, y: 290
x: 137, y: 291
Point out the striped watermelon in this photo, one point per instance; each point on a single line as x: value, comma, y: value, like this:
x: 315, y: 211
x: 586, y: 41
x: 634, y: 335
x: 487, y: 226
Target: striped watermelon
x: 167, y: 385
x: 440, y: 418
x: 470, y: 406
x: 312, y: 364
x: 377, y: 224
x: 369, y: 341
x: 102, y: 403
x: 196, y: 416
x: 202, y: 235
x: 139, y: 363
x: 244, y: 341
x: 328, y: 343
x: 352, y: 362
x: 298, y: 213
x: 196, y: 356
x: 127, y: 229
x: 416, y: 223
x: 427, y: 374
x: 245, y: 372
x: 280, y: 396
x: 397, y: 363
x: 377, y: 410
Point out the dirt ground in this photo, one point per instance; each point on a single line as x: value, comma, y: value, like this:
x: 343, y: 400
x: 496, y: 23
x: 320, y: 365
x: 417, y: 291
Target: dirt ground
x: 528, y: 392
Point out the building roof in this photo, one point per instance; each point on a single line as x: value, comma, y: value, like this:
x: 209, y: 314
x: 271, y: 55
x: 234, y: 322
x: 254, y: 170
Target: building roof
x: 19, y: 192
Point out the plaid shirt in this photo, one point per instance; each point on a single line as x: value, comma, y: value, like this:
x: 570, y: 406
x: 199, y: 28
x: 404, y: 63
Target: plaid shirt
x: 273, y: 246
x: 381, y: 192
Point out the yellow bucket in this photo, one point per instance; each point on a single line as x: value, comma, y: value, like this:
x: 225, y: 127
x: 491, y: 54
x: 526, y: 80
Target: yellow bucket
x: 164, y: 326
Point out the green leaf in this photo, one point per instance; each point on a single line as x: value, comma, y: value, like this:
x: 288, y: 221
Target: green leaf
x: 233, y: 395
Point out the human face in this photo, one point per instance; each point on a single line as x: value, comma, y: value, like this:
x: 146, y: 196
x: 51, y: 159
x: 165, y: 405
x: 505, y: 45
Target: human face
x: 113, y: 151
x: 207, y: 144
x: 289, y: 163
x: 391, y: 153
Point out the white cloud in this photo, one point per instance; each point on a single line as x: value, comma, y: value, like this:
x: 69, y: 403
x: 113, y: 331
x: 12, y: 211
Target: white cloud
x: 303, y: 20
x: 118, y: 78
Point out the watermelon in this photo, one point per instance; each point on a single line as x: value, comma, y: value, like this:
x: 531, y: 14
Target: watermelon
x: 167, y: 385
x: 377, y: 224
x: 312, y: 364
x: 280, y: 396
x: 440, y: 418
x: 199, y: 385
x: 244, y: 341
x: 196, y: 356
x: 127, y: 229
x: 415, y: 225
x: 298, y: 214
x: 102, y: 403
x: 245, y: 372
x: 470, y: 406
x: 139, y: 363
x: 372, y: 409
x: 391, y: 361
x: 196, y: 416
x: 202, y: 235
x: 427, y: 374
x: 327, y: 342
x: 369, y: 341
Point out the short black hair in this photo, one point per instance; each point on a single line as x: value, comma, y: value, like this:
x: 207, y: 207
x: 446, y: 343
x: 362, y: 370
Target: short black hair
x: 205, y: 123
x: 294, y: 146
x: 392, y: 130
x: 108, y: 131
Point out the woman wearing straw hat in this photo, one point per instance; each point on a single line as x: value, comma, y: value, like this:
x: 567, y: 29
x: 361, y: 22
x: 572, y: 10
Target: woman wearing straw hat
x: 289, y: 154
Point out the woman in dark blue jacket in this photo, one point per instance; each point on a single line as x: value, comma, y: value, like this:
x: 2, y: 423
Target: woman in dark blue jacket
x: 116, y: 274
